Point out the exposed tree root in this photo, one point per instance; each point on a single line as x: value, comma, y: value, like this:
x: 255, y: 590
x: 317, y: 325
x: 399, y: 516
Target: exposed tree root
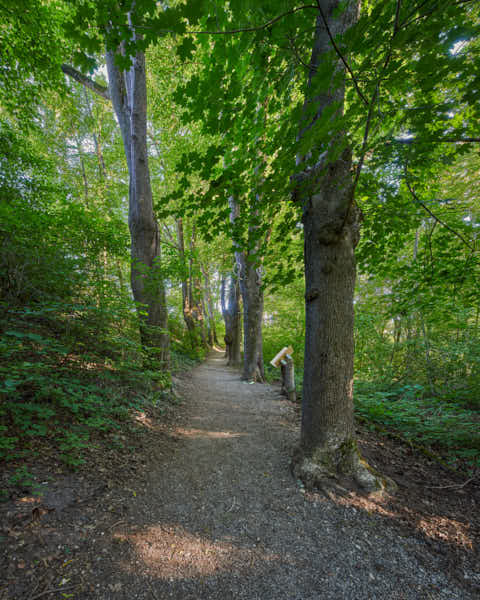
x: 339, y: 471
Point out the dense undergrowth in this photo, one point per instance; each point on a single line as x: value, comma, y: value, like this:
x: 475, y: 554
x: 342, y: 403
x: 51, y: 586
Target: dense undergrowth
x: 72, y: 369
x: 450, y: 428
x: 66, y: 388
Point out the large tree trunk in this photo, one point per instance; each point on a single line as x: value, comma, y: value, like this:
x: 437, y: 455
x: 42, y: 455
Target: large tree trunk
x: 128, y: 92
x: 229, y: 298
x: 328, y: 455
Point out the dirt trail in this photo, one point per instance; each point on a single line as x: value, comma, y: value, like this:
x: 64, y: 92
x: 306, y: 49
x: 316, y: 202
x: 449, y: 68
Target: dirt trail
x: 224, y: 518
x: 213, y: 513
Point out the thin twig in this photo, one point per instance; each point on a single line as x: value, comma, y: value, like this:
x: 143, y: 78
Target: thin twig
x: 448, y: 140
x: 417, y: 199
x: 371, y: 107
x: 117, y: 523
x: 233, y: 505
x: 371, y: 104
x: 53, y: 591
x: 152, y: 591
x: 39, y: 583
x: 241, y: 29
x: 169, y: 244
x: 406, y: 23
x: 453, y: 485
x: 411, y: 19
x: 297, y: 56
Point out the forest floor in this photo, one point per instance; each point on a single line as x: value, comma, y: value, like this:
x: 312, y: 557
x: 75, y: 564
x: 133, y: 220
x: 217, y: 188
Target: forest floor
x: 206, y: 508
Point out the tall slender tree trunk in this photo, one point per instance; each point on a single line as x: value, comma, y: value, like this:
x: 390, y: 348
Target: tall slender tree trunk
x: 249, y: 276
x: 209, y: 305
x: 252, y: 297
x: 128, y: 92
x: 209, y: 332
x: 397, y: 334
x: 83, y: 170
x: 426, y: 338
x: 229, y: 299
x: 198, y: 312
x: 187, y: 300
x: 328, y: 454
x: 102, y: 170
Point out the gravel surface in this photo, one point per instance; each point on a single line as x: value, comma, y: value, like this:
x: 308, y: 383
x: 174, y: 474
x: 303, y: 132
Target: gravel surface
x: 225, y: 519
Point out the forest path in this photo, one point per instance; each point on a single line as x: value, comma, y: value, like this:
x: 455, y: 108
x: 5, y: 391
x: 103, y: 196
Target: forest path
x: 223, y: 518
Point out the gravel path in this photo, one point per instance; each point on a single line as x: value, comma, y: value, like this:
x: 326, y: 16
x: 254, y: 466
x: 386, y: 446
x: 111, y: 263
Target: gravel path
x: 224, y: 518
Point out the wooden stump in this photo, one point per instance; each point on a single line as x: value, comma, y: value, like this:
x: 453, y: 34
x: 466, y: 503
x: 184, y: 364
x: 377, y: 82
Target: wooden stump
x: 288, y: 378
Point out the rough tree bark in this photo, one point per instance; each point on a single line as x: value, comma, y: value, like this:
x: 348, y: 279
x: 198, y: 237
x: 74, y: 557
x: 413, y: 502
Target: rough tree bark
x: 328, y: 455
x: 128, y: 92
x: 229, y: 298
x: 249, y: 275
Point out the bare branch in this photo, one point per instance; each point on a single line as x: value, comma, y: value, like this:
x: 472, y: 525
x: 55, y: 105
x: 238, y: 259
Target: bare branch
x: 417, y: 199
x: 53, y: 591
x: 447, y: 140
x: 86, y: 81
x: 458, y: 486
x: 340, y: 55
x: 371, y: 107
x: 244, y: 29
x: 409, y: 20
x: 293, y: 48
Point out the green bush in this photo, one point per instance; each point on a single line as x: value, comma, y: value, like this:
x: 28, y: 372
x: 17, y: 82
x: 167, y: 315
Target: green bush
x: 409, y: 410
